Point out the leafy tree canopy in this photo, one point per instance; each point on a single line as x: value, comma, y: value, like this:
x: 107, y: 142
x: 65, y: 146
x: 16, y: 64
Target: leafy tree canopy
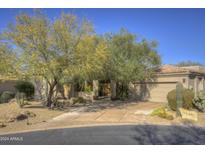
x: 68, y: 49
x: 130, y: 60
x: 7, y: 62
x: 56, y: 51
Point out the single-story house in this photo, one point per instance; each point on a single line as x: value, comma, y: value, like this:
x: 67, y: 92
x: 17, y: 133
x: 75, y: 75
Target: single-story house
x: 167, y: 77
x: 192, y: 77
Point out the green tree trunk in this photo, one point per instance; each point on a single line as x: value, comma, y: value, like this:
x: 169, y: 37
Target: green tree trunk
x: 51, y: 93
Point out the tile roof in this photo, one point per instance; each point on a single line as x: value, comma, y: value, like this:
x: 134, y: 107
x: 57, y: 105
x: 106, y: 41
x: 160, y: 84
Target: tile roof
x: 176, y: 69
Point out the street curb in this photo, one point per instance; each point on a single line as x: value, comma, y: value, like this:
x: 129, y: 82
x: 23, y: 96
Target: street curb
x: 86, y: 125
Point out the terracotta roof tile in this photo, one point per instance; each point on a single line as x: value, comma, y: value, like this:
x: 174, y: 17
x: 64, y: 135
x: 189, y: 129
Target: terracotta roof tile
x: 176, y: 69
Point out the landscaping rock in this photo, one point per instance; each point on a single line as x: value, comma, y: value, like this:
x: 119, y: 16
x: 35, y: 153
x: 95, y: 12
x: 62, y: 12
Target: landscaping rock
x: 2, y: 125
x: 21, y: 116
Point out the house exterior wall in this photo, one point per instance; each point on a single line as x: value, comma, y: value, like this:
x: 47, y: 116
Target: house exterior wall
x: 201, y: 83
x: 157, y: 91
x: 197, y: 83
x: 7, y: 86
x: 166, y: 83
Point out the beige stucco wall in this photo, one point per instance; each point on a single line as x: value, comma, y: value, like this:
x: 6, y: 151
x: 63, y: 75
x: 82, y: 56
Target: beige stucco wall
x: 7, y: 86
x: 159, y: 93
x: 174, y: 78
x: 201, y: 84
x: 157, y: 90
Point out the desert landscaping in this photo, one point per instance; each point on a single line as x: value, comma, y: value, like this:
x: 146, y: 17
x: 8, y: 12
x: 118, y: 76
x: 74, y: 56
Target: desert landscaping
x: 62, y: 74
x: 101, y: 113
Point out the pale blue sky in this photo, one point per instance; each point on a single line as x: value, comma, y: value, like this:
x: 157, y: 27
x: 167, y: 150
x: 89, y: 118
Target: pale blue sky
x: 179, y: 32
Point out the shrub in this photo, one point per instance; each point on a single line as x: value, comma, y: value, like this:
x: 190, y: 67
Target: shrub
x: 122, y: 91
x: 21, y: 99
x: 88, y: 89
x: 161, y: 112
x: 187, y: 97
x: 199, y: 101
x: 6, y: 96
x: 79, y: 100
x: 25, y: 87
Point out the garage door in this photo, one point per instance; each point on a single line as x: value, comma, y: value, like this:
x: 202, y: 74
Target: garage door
x: 158, y: 91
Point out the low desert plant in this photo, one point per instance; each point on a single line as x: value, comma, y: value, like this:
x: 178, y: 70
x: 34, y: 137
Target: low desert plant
x: 199, y: 101
x: 88, y: 89
x: 61, y: 104
x: 162, y: 113
x: 187, y: 97
x: 79, y: 100
x: 6, y: 96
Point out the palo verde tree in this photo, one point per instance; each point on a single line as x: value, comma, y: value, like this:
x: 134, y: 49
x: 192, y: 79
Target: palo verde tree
x: 7, y: 62
x: 55, y: 50
x: 130, y: 60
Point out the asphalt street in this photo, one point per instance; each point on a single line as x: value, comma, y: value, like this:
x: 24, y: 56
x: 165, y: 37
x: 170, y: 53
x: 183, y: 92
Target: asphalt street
x: 110, y: 135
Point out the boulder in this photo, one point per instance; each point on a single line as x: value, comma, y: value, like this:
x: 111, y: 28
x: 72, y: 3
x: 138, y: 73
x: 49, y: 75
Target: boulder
x: 2, y: 125
x: 21, y: 116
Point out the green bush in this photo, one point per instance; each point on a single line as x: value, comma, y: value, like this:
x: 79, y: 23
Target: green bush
x: 199, y: 101
x: 161, y: 112
x: 79, y: 100
x: 122, y: 91
x: 6, y: 96
x: 88, y: 89
x: 25, y: 87
x: 187, y: 97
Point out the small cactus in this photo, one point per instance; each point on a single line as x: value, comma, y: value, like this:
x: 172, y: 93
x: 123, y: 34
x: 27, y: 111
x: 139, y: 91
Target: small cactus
x: 20, y: 98
x: 179, y: 97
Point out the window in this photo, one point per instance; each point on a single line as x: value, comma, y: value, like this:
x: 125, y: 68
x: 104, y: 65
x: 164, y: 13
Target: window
x: 183, y: 80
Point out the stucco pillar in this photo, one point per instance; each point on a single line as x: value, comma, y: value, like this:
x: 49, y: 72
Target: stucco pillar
x: 203, y: 83
x: 95, y: 88
x: 66, y: 90
x: 196, y: 85
x: 187, y: 82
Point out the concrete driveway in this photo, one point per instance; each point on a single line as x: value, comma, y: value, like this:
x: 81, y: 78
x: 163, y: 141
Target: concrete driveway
x: 107, y: 114
x: 110, y: 135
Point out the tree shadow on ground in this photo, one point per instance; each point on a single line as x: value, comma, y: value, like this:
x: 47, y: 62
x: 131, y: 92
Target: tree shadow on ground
x: 32, y: 105
x: 102, y: 105
x: 174, y: 135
